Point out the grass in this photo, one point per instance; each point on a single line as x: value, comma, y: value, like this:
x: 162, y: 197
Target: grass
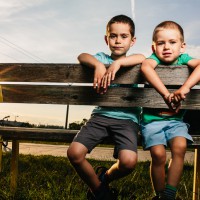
x: 53, y: 178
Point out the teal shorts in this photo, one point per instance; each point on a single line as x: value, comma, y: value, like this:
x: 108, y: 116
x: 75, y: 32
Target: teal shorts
x: 160, y: 132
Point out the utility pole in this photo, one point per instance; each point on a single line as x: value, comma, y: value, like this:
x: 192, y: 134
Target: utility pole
x: 67, y: 115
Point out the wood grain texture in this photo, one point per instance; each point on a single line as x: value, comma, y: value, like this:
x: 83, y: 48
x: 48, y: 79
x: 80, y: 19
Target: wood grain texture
x: 76, y: 73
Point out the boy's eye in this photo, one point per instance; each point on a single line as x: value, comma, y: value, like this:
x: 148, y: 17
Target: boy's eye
x: 160, y: 43
x: 112, y: 36
x: 124, y: 36
x: 172, y: 42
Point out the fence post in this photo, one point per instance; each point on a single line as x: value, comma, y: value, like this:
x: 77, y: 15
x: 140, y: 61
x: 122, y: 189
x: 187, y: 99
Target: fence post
x: 196, y: 182
x: 14, y: 165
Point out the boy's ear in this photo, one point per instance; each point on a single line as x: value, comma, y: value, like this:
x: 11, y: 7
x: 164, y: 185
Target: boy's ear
x: 183, y: 46
x: 106, y: 39
x: 153, y: 48
x: 133, y: 40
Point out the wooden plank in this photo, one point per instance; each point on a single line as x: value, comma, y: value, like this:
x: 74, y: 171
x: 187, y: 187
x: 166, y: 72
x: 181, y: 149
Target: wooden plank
x: 14, y: 166
x: 196, y: 180
x: 79, y: 95
x: 76, y: 73
x: 196, y: 138
x: 37, y: 134
x: 54, y: 135
x: 61, y: 73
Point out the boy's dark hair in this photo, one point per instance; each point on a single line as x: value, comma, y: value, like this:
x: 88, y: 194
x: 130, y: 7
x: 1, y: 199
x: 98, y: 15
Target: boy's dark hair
x: 166, y: 25
x: 122, y: 19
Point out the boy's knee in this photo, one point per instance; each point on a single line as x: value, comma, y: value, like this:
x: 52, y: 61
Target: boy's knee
x: 178, y: 143
x: 127, y: 163
x: 127, y: 167
x: 75, y: 155
x: 180, y: 149
x: 158, y: 157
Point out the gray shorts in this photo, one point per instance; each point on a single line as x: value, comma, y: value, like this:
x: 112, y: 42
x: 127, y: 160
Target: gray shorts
x: 122, y: 132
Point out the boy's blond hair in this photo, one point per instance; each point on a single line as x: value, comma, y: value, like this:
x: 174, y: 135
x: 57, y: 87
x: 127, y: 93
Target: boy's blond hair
x: 168, y: 25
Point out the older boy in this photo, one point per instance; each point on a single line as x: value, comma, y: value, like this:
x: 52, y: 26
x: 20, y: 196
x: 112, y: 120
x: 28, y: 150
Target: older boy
x: 119, y: 123
x: 162, y: 127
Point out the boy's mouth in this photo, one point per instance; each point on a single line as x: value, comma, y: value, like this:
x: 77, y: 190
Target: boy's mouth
x: 117, y: 48
x: 166, y: 54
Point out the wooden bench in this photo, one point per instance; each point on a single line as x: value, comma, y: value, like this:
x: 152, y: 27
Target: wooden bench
x: 51, y: 84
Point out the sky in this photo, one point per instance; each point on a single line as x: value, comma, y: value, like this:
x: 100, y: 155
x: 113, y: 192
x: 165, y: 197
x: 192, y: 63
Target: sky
x: 57, y: 31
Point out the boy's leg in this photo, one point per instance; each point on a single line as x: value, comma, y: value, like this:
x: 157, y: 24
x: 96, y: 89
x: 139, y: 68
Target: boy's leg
x: 155, y: 140
x: 76, y: 154
x: 178, y: 146
x: 177, y: 135
x: 125, y: 164
x: 124, y: 133
x: 93, y: 133
x: 157, y: 168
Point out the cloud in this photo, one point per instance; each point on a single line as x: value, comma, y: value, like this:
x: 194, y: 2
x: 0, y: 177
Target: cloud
x: 13, y: 7
x: 193, y: 51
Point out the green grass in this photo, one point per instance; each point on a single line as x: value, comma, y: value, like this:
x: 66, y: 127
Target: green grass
x: 53, y: 178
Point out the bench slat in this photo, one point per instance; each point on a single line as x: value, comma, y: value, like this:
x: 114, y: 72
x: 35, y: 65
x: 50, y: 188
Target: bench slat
x: 37, y: 134
x: 76, y: 73
x: 81, y: 95
x: 55, y: 135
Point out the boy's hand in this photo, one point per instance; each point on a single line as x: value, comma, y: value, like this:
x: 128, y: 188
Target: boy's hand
x: 167, y: 99
x: 110, y: 75
x: 99, y: 73
x: 171, y: 103
x: 180, y: 94
x: 175, y: 104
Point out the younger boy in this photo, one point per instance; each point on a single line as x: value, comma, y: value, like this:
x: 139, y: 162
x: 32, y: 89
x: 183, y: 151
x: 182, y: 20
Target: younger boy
x: 119, y: 123
x: 161, y: 127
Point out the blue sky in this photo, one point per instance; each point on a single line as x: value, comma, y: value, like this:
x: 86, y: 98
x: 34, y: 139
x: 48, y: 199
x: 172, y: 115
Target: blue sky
x: 57, y: 31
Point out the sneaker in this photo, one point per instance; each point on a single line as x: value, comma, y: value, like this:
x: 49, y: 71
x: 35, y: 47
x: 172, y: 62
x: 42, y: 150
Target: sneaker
x: 100, y: 171
x: 113, y: 194
x: 157, y: 198
x: 90, y: 195
x: 105, y: 193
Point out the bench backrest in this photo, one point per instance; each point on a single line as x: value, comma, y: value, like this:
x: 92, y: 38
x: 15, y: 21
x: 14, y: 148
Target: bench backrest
x: 72, y: 84
x: 42, y: 86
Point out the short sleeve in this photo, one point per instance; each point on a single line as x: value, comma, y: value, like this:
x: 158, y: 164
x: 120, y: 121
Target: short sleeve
x: 104, y: 58
x: 154, y: 57
x: 184, y: 59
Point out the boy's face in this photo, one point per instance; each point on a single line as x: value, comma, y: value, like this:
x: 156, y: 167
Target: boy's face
x: 168, y: 45
x: 119, y: 40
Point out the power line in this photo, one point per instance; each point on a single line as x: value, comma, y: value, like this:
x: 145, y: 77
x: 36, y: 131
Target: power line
x: 19, y: 51
x: 23, y: 51
x: 9, y: 56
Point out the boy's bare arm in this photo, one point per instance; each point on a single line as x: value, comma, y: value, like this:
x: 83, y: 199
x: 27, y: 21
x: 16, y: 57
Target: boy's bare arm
x: 99, y: 68
x: 193, y: 79
x: 148, y: 69
x: 128, y: 61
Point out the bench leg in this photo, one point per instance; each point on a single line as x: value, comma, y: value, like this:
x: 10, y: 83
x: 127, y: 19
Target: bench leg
x: 1, y: 142
x: 14, y: 166
x: 196, y: 182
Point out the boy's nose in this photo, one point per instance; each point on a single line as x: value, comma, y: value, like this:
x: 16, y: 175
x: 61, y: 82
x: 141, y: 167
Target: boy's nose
x: 118, y: 40
x: 167, y: 46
